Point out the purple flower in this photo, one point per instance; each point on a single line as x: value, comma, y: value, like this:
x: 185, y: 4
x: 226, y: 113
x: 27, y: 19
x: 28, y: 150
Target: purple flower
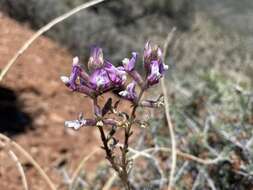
x: 156, y: 72
x: 151, y: 54
x: 107, y: 77
x: 129, y: 93
x: 153, y: 64
x: 103, y: 77
x: 99, y: 80
x: 129, y: 64
x: 71, y: 81
x: 115, y: 74
x: 129, y: 67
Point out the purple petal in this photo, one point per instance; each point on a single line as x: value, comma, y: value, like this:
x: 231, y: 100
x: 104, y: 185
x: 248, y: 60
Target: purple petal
x: 155, y: 73
x: 115, y: 74
x: 85, y: 90
x: 99, y: 80
x: 129, y: 93
x: 159, y: 53
x: 71, y: 83
x: 137, y: 77
x: 153, y: 54
x: 147, y: 49
x: 110, y: 122
x: 130, y: 64
x: 162, y: 67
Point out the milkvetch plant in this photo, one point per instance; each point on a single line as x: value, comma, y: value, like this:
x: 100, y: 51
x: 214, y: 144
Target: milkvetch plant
x: 102, y: 76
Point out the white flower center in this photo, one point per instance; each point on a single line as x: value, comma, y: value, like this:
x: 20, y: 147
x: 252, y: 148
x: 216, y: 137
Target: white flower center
x: 166, y: 67
x: 125, y: 61
x: 124, y: 77
x: 155, y: 71
x: 76, y: 124
x: 100, y: 81
x: 75, y: 61
x: 65, y: 79
x: 123, y: 93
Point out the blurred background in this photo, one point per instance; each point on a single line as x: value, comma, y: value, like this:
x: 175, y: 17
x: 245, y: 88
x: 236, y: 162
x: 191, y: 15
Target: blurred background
x: 210, y: 85
x: 128, y: 23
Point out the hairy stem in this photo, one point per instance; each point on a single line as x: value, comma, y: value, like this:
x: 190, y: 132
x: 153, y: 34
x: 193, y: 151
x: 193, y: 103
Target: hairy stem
x: 120, y: 168
x: 109, y: 154
x: 124, y: 160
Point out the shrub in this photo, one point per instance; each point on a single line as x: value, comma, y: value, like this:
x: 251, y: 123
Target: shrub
x: 125, y: 23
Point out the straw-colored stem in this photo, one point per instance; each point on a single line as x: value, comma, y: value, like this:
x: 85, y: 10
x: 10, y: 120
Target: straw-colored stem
x: 80, y: 166
x: 167, y: 113
x: 42, y: 31
x: 180, y: 154
x: 30, y: 158
x: 18, y: 165
x: 20, y: 168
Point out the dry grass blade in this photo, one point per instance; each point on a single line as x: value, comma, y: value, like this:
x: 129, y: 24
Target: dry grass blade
x: 185, y: 156
x: 80, y: 166
x: 20, y: 168
x: 167, y: 112
x: 18, y: 165
x: 28, y: 157
x: 43, y: 30
x: 109, y: 182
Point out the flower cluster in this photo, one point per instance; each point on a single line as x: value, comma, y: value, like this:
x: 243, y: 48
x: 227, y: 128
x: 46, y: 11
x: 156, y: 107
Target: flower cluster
x: 104, y: 76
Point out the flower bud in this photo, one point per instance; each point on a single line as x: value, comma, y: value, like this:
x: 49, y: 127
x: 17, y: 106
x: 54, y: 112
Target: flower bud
x: 96, y: 59
x: 153, y: 64
x: 76, y: 124
x: 71, y: 81
x: 65, y: 79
